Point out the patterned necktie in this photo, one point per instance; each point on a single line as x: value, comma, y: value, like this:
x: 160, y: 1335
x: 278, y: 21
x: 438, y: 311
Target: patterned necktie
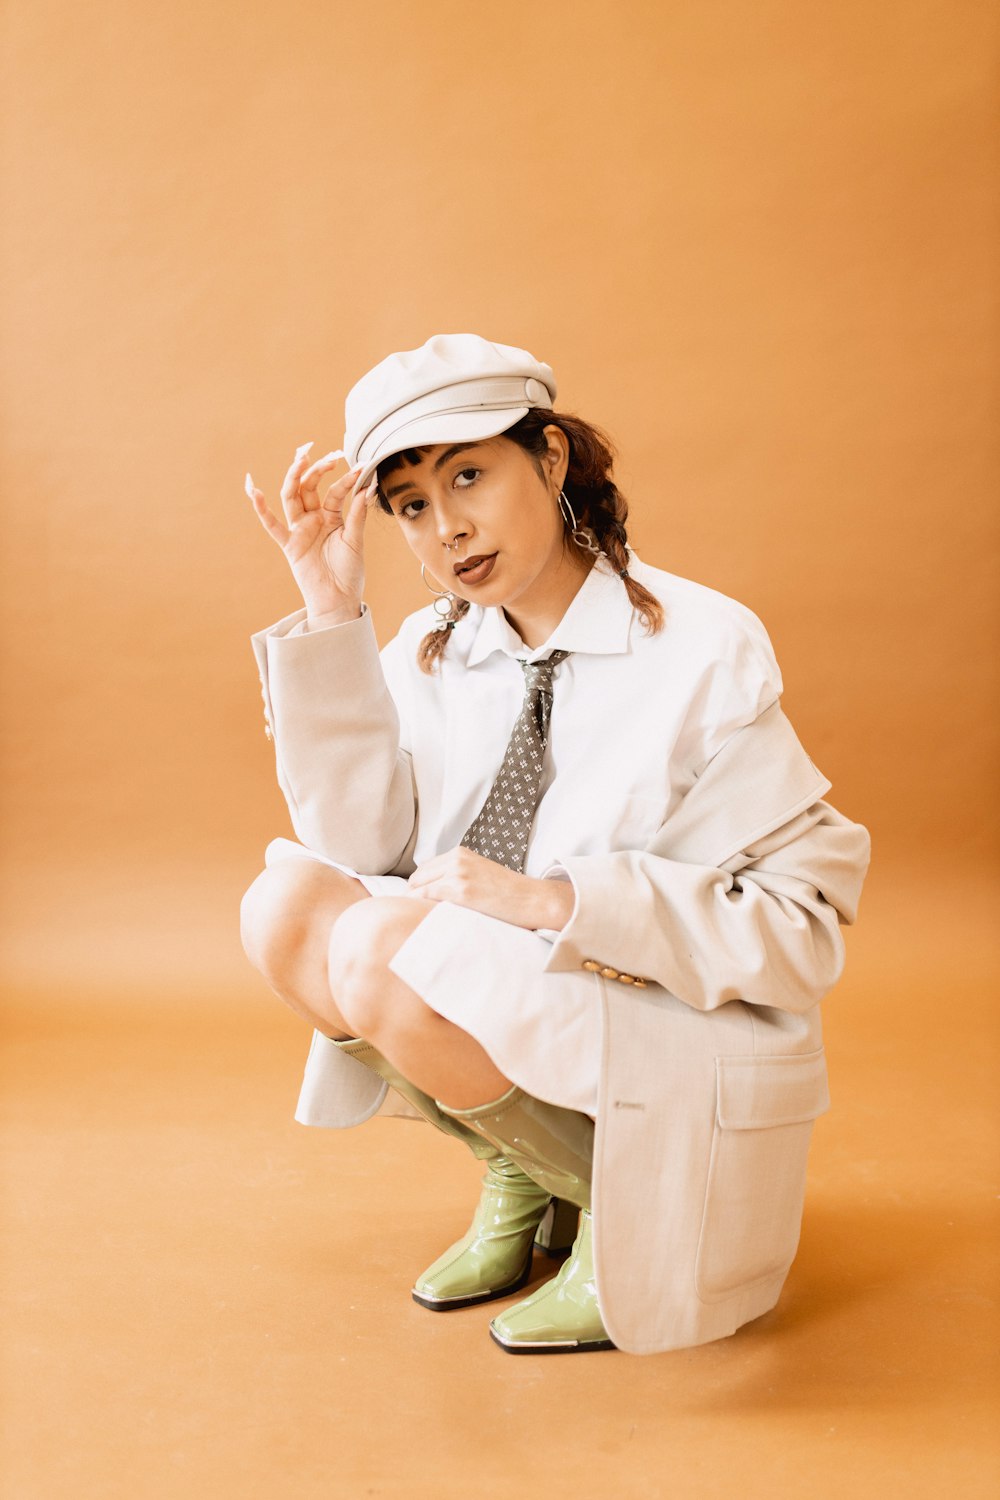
x: 500, y: 831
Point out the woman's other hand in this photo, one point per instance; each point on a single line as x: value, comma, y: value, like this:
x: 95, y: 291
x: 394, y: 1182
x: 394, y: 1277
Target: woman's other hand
x: 471, y: 880
x: 324, y: 548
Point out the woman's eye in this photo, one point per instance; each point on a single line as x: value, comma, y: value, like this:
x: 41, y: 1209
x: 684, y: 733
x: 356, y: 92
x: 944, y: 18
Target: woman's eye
x: 464, y: 479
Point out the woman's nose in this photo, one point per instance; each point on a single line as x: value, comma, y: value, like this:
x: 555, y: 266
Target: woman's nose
x: 450, y: 528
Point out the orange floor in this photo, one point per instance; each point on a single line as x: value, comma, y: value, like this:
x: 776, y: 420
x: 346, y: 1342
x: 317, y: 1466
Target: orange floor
x: 207, y: 1300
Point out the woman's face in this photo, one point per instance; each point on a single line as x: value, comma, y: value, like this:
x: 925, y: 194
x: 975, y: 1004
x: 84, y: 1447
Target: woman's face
x: 483, y: 520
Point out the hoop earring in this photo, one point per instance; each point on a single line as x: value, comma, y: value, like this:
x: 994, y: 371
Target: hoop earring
x: 444, y: 603
x: 582, y: 536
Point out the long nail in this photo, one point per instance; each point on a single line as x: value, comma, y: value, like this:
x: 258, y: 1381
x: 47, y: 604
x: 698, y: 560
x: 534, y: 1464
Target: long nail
x: 334, y: 453
x: 248, y: 485
x: 372, y: 490
x: 303, y: 450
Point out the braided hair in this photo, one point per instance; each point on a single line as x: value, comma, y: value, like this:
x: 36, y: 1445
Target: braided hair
x: 600, y: 508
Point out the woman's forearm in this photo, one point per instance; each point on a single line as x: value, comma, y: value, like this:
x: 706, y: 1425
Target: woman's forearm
x: 346, y: 779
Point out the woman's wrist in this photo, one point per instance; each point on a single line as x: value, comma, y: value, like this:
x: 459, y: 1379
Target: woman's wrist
x: 322, y: 619
x: 557, y: 900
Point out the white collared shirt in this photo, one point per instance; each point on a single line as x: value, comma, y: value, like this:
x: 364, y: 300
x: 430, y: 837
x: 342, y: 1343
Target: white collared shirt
x: 635, y: 717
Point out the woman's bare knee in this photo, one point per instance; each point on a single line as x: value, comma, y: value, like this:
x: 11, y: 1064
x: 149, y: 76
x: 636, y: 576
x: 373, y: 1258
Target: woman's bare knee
x: 362, y: 943
x: 291, y: 907
x: 431, y: 1051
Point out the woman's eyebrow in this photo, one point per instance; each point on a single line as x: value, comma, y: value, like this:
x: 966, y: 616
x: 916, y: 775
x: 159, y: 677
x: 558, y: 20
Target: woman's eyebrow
x: 443, y: 459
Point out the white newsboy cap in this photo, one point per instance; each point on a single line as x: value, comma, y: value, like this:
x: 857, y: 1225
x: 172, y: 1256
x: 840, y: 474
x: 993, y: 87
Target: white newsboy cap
x: 456, y: 388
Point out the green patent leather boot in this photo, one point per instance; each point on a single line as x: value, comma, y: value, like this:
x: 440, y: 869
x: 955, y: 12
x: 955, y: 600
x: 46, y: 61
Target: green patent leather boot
x: 494, y: 1257
x: 554, y: 1146
x: 514, y: 1213
x: 563, y: 1316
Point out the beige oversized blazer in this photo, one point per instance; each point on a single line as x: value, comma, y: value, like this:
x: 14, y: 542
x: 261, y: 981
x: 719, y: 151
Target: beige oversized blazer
x: 705, y: 1114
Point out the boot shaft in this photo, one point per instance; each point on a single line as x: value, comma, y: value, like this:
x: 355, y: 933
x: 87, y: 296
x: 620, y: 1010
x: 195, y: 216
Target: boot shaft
x: 553, y: 1145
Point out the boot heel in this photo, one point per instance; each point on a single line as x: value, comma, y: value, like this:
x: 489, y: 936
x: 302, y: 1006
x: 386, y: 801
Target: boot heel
x: 558, y: 1229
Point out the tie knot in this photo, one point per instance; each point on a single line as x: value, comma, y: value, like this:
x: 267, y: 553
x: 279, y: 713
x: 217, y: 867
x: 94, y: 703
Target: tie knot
x: 538, y: 674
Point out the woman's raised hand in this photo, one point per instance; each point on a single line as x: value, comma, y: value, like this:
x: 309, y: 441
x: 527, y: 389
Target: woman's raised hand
x: 324, y: 548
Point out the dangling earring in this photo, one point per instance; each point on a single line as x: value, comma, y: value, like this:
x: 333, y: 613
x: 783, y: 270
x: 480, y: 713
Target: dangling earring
x: 444, y: 603
x: 581, y: 535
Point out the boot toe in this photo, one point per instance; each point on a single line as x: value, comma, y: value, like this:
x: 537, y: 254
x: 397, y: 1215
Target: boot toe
x: 461, y: 1277
x: 561, y: 1317
x: 549, y: 1322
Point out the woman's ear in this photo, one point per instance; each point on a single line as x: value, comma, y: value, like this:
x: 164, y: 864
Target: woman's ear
x: 556, y: 457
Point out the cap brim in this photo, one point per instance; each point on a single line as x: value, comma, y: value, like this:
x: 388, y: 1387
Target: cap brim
x: 447, y: 427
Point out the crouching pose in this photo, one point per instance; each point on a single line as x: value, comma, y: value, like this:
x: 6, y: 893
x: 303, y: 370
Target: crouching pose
x: 566, y: 884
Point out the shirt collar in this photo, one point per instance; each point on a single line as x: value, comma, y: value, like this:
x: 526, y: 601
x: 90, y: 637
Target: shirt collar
x: 597, y: 621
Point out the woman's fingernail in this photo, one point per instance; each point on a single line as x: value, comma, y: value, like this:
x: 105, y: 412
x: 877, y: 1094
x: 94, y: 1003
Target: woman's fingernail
x: 248, y: 486
x: 299, y: 452
x: 372, y: 490
x: 334, y: 453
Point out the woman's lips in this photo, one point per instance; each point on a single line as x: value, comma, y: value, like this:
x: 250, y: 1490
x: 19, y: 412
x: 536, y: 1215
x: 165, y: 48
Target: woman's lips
x: 475, y: 569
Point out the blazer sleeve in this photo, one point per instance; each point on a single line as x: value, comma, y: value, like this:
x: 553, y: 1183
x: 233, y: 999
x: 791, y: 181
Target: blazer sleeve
x: 342, y: 762
x: 741, y: 893
x: 766, y: 932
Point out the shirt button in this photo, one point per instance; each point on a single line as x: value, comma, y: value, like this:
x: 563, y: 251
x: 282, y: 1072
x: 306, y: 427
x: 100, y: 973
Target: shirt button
x: 609, y: 973
x: 627, y: 978
x: 641, y: 984
x: 592, y: 965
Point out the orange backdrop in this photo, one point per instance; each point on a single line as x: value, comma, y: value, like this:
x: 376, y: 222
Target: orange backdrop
x: 756, y: 241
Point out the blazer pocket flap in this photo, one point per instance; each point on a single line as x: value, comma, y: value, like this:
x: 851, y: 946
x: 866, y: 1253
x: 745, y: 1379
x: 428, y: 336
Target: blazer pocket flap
x: 755, y: 1093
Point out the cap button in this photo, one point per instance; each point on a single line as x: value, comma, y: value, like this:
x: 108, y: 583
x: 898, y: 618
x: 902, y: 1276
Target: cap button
x: 536, y: 392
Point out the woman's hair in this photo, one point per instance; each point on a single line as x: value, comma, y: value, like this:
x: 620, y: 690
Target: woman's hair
x: 599, y: 506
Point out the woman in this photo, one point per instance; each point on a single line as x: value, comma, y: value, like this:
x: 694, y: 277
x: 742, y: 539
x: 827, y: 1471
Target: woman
x: 566, y: 880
